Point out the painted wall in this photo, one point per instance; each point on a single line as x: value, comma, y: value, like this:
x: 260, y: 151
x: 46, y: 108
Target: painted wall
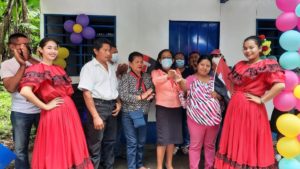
x: 143, y: 25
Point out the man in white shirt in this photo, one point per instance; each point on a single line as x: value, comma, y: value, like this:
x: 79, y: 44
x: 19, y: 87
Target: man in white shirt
x: 23, y: 113
x: 99, y: 84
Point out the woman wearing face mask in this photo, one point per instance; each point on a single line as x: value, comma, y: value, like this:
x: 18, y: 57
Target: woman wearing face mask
x: 185, y: 72
x: 168, y: 108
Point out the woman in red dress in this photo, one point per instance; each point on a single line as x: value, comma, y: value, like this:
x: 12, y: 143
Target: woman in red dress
x: 60, y: 141
x: 246, y: 141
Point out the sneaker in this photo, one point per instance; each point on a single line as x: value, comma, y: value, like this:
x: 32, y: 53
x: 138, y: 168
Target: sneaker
x: 175, y: 150
x: 185, y: 150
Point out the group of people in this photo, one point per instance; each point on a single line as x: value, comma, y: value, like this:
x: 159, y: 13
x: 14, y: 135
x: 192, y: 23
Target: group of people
x: 189, y: 104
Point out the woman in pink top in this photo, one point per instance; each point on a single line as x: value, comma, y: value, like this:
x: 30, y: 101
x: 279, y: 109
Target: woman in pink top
x: 204, y: 113
x: 168, y: 108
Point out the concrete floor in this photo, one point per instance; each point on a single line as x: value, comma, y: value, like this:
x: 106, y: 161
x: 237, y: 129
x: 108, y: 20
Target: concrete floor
x: 180, y: 161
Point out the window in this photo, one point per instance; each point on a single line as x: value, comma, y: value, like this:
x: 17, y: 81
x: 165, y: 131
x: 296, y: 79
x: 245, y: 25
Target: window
x: 105, y: 26
x: 268, y: 28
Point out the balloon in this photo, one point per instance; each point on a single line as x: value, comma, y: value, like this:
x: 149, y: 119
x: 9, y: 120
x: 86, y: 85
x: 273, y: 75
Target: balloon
x: 291, y: 80
x: 286, y: 21
x: 288, y: 147
x: 272, y: 57
x: 288, y: 125
x: 289, y: 60
x: 289, y: 164
x: 60, y: 62
x: 297, y: 92
x: 290, y: 40
x: 287, y: 5
x: 88, y: 33
x: 297, y: 10
x: 284, y: 101
x: 76, y: 38
x: 82, y: 19
x: 68, y: 25
x: 63, y: 52
x: 298, y: 105
x: 77, y: 28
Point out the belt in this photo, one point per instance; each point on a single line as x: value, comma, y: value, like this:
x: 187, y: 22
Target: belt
x: 105, y: 101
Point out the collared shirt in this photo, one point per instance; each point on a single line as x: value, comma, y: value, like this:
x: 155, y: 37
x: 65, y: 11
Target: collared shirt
x: 128, y: 93
x: 100, y: 82
x: 19, y: 104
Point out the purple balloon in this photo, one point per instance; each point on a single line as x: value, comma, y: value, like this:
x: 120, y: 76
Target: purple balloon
x: 68, y: 25
x: 88, y: 33
x: 83, y: 20
x: 76, y: 38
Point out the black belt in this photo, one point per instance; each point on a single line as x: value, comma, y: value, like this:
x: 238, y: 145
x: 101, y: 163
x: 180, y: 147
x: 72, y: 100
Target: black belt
x: 105, y: 101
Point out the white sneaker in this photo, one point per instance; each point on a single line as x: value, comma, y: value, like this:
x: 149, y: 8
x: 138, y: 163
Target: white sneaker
x: 175, y: 150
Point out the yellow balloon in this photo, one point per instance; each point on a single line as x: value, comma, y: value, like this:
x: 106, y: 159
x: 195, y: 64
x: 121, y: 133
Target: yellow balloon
x: 60, y: 62
x: 288, y: 147
x: 297, y: 91
x: 288, y: 125
x: 298, y: 115
x: 63, y: 52
x: 77, y: 28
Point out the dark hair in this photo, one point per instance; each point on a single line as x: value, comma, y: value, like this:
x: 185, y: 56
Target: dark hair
x: 98, y: 43
x: 205, y: 57
x: 15, y: 36
x: 255, y: 39
x: 134, y: 55
x: 180, y: 53
x: 44, y: 41
x: 194, y: 52
x: 158, y: 65
x: 113, y: 45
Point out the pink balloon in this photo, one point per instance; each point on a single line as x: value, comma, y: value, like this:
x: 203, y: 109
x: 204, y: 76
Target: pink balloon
x: 291, y: 80
x: 298, y: 105
x: 286, y: 21
x: 285, y: 101
x: 287, y: 5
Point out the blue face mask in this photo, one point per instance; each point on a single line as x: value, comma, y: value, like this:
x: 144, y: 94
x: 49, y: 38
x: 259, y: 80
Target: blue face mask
x: 115, y: 57
x: 166, y: 63
x: 180, y: 63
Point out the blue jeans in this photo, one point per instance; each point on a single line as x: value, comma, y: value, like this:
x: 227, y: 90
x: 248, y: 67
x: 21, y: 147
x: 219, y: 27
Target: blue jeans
x: 21, y: 126
x: 135, y: 140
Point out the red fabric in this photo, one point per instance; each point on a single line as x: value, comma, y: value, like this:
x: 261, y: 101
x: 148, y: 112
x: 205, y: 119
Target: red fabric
x: 246, y: 140
x: 60, y: 141
x: 140, y: 82
x: 223, y: 72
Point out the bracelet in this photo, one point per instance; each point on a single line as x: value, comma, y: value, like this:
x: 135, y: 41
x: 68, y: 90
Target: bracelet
x: 261, y: 101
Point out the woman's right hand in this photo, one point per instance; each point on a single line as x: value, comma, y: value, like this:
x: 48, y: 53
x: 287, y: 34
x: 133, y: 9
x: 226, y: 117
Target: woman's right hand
x: 147, y: 94
x: 54, y: 103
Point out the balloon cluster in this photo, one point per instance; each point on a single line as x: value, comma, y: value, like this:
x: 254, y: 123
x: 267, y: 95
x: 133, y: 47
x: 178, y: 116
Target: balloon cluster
x: 79, y: 29
x: 289, y: 98
x: 290, y: 39
x: 63, y: 53
x: 289, y: 146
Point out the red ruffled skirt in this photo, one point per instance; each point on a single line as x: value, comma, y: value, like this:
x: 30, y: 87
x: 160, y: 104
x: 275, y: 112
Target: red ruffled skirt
x: 246, y: 141
x: 60, y: 142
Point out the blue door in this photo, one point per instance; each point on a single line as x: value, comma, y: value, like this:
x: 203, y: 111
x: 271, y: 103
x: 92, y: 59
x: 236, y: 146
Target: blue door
x: 189, y: 36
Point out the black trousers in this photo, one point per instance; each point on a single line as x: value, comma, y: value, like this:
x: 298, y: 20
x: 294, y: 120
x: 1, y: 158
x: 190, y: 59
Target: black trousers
x: 101, y: 142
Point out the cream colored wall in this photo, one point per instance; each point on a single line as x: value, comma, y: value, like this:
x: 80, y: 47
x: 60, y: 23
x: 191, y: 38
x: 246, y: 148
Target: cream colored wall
x: 143, y: 25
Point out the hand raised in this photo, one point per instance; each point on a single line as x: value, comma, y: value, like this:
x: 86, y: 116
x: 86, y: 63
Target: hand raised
x: 20, y: 59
